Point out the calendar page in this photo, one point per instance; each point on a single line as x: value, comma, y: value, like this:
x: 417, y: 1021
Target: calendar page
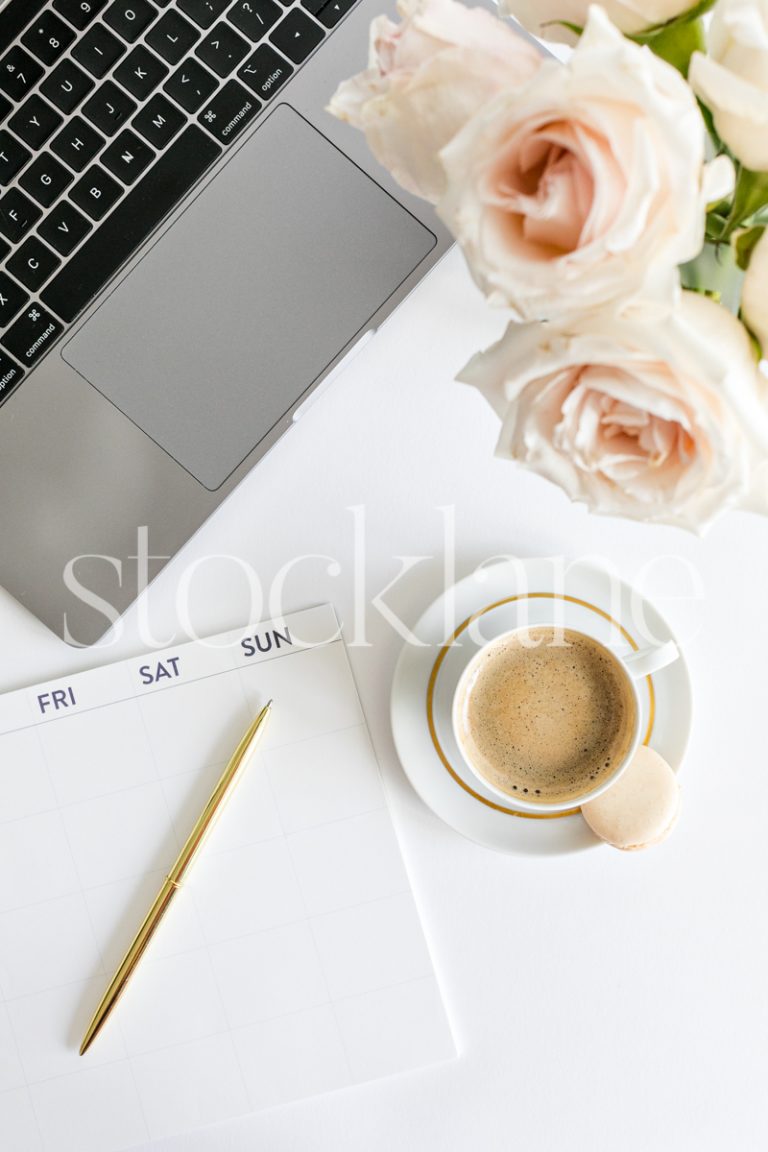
x: 292, y: 962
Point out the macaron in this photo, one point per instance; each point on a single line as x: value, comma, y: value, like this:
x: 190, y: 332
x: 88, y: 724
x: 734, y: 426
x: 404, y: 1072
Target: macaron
x: 641, y: 808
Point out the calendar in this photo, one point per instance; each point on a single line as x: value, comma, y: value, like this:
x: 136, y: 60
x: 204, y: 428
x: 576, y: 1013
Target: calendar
x: 292, y: 963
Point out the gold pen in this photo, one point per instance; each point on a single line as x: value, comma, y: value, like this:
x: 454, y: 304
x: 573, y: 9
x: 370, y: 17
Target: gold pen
x: 172, y: 883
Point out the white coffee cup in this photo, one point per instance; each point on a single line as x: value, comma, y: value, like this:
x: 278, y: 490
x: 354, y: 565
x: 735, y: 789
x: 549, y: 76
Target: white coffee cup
x: 635, y: 666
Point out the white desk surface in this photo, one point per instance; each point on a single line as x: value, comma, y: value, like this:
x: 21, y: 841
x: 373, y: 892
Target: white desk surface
x: 602, y: 1001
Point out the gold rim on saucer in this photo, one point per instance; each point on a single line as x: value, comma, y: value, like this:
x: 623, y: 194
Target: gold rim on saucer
x: 436, y: 670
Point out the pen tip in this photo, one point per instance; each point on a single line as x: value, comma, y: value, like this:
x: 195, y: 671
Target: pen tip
x: 93, y: 1030
x: 268, y: 703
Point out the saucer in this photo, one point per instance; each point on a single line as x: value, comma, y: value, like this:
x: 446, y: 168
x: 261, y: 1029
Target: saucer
x: 493, y: 600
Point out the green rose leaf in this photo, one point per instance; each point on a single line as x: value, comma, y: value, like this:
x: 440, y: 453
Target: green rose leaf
x: 750, y: 196
x: 577, y: 29
x: 694, y: 13
x: 744, y: 244
x: 679, y: 38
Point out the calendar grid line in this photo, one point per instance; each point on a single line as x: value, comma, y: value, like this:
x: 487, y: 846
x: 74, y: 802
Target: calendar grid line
x: 317, y: 957
x: 83, y: 889
x: 106, y: 970
x: 212, y: 764
x: 217, y: 1032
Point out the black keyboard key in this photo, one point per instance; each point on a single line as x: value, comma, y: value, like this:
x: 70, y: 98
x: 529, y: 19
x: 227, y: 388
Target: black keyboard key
x: 33, y: 263
x: 5, y: 107
x: 35, y: 121
x: 13, y: 156
x: 5, y: 248
x: 296, y: 36
x: 98, y: 50
x: 109, y: 108
x: 66, y: 86
x: 77, y: 143
x: 229, y: 112
x: 46, y: 179
x: 18, y: 73
x: 172, y: 37
x: 79, y: 12
x: 48, y: 37
x: 141, y: 72
x: 255, y: 17
x: 203, y: 12
x: 32, y: 335
x: 145, y: 206
x: 12, y: 298
x: 190, y: 85
x: 129, y: 18
x: 15, y: 16
x: 222, y: 49
x: 10, y: 376
x: 18, y: 214
x: 95, y: 192
x: 265, y: 72
x: 64, y: 227
x: 328, y: 12
x: 127, y: 157
x: 159, y: 121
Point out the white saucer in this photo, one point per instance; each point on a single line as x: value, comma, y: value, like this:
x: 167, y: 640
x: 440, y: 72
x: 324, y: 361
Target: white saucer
x: 491, y: 601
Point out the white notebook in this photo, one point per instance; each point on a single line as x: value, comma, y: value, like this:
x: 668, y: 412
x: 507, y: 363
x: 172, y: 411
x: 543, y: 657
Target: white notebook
x: 292, y: 963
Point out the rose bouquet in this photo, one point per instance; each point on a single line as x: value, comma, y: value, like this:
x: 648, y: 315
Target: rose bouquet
x: 616, y: 205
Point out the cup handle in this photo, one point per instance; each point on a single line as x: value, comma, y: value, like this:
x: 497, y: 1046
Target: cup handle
x: 649, y: 660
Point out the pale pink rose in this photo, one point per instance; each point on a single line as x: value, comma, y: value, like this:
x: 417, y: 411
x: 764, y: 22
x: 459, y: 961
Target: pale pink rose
x: 542, y: 16
x: 666, y: 422
x: 587, y: 188
x: 425, y: 78
x: 732, y: 79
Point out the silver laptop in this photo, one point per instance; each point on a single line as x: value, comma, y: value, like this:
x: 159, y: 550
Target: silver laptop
x: 190, y: 244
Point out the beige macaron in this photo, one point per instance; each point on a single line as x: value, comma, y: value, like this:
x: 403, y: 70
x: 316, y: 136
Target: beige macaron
x: 641, y: 808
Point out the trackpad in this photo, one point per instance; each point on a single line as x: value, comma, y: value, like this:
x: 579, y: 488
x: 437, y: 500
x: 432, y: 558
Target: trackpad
x: 232, y: 315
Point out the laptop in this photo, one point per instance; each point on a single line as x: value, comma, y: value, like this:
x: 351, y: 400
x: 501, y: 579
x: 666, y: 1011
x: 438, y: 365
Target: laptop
x: 189, y: 246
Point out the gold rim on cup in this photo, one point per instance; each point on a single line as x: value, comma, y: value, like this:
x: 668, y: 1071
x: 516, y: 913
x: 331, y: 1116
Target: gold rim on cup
x: 446, y: 648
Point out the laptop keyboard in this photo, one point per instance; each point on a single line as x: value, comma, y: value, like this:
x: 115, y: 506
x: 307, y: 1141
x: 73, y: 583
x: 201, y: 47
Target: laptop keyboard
x: 110, y: 112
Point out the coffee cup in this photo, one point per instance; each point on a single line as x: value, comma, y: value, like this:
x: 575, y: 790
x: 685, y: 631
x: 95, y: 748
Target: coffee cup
x: 548, y: 717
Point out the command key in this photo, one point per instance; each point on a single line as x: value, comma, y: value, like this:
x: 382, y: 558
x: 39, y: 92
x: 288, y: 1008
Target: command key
x: 32, y: 334
x: 229, y: 112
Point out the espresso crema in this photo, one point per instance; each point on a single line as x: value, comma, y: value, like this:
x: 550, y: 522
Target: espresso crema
x: 547, y: 714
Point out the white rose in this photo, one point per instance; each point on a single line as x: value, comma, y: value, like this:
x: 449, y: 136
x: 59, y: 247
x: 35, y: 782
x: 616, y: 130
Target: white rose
x: 754, y: 293
x: 572, y: 195
x: 425, y: 78
x: 665, y: 422
x: 541, y: 16
x: 732, y: 80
